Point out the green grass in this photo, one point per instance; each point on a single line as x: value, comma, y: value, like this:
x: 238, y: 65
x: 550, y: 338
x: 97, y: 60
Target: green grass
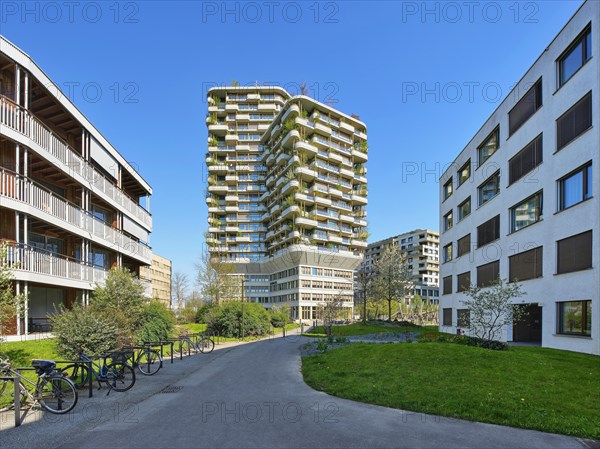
x: 529, y: 387
x: 367, y: 328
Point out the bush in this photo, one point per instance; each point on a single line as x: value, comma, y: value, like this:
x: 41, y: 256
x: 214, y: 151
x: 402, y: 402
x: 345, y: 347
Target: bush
x: 203, y: 312
x: 322, y: 344
x: 82, y: 329
x: 226, y: 320
x: 480, y: 342
x: 156, y: 322
x: 279, y: 315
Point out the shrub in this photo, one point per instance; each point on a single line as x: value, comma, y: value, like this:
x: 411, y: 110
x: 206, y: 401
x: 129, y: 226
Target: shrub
x: 279, y: 315
x: 203, y: 312
x: 322, y: 344
x: 156, y: 322
x: 228, y: 320
x: 82, y: 329
x: 480, y: 342
x: 341, y: 339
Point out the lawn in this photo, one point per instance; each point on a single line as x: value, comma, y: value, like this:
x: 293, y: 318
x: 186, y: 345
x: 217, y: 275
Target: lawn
x: 367, y: 328
x: 529, y: 387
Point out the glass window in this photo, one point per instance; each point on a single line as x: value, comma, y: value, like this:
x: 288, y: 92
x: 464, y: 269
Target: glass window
x: 575, y: 57
x: 488, y: 274
x: 488, y: 231
x: 464, y: 245
x: 448, y: 189
x: 489, y: 146
x: 574, y: 253
x: 448, y: 221
x: 463, y: 282
x: 574, y: 122
x: 526, y: 213
x: 489, y: 189
x: 525, y: 108
x: 448, y: 252
x: 464, y: 209
x: 447, y: 317
x: 575, y: 318
x: 525, y: 160
x: 575, y: 187
x: 463, y: 317
x: 526, y: 265
x: 464, y: 173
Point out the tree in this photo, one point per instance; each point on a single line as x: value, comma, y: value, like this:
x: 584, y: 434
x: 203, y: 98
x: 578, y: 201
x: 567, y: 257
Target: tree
x: 122, y: 299
x: 363, y: 281
x: 333, y: 310
x: 215, y: 279
x: 10, y: 304
x: 492, y: 308
x: 392, y: 280
x: 179, y: 286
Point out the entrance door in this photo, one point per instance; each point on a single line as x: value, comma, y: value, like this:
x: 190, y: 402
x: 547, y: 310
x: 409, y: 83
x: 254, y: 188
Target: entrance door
x: 529, y: 328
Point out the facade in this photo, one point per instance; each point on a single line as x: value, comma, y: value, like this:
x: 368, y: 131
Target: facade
x: 69, y: 201
x: 522, y: 200
x: 286, y: 195
x: 159, y: 276
x: 421, y: 248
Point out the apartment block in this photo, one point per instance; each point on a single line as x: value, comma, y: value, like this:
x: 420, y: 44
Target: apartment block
x: 421, y: 248
x: 159, y: 276
x: 287, y: 191
x: 69, y: 201
x: 521, y: 200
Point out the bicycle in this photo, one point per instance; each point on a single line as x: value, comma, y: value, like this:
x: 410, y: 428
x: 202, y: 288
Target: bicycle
x: 203, y: 344
x: 117, y: 375
x: 52, y: 391
x: 148, y: 360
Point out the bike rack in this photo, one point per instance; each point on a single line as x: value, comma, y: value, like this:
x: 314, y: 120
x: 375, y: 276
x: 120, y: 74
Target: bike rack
x: 17, y: 397
x: 152, y: 344
x: 89, y: 367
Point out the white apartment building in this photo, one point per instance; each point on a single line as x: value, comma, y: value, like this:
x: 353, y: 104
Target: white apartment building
x: 69, y: 201
x: 422, y: 250
x: 521, y: 200
x: 286, y: 195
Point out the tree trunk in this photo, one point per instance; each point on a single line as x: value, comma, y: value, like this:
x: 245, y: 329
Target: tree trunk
x: 389, y: 310
x: 365, y: 309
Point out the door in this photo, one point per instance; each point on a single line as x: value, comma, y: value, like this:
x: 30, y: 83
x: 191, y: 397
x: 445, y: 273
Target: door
x: 529, y: 327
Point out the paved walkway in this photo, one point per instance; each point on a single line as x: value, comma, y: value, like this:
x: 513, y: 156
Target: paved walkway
x: 253, y: 396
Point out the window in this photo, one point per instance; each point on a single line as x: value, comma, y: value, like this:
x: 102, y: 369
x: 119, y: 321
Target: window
x: 464, y: 209
x: 489, y: 146
x: 464, y: 173
x: 448, y: 221
x: 463, y: 282
x: 578, y: 53
x: 447, y: 317
x: 448, y: 252
x: 464, y: 245
x: 575, y: 318
x: 526, y: 265
x: 575, y: 187
x: 488, y: 231
x: 447, y: 285
x: 574, y: 122
x: 487, y: 274
x: 526, y: 212
x: 525, y: 160
x: 525, y: 108
x: 463, y: 317
x: 448, y: 189
x: 574, y: 253
x: 489, y: 189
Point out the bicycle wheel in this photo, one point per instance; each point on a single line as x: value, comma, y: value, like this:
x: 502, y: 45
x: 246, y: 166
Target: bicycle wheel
x: 186, y: 347
x: 120, y: 376
x: 78, y: 374
x: 149, y: 362
x: 57, y: 394
x: 206, y: 345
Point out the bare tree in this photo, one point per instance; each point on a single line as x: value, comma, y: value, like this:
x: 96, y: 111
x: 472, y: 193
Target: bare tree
x: 304, y: 90
x: 392, y: 280
x: 492, y: 308
x: 179, y: 286
x: 363, y: 280
x: 216, y: 279
x: 330, y: 311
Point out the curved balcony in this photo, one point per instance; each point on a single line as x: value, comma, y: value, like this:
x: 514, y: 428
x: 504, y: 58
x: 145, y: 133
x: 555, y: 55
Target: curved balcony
x: 42, y: 140
x: 19, y: 193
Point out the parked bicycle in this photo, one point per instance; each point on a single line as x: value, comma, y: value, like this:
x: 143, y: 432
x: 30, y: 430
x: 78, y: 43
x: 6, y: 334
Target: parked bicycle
x: 117, y: 375
x: 52, y: 391
x: 147, y: 360
x: 203, y: 343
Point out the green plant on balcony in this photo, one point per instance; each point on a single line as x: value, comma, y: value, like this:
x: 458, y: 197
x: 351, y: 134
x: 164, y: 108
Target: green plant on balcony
x: 288, y: 125
x: 304, y: 113
x: 289, y: 200
x: 212, y: 141
x: 212, y: 181
x: 362, y: 146
x: 212, y: 119
x: 217, y: 101
x: 234, y: 83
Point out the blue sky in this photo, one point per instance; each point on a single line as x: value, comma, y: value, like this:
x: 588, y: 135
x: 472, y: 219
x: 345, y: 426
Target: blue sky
x: 423, y: 77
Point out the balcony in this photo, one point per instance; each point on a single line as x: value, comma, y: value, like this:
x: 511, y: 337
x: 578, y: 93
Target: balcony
x: 359, y: 243
x: 282, y: 158
x: 217, y: 168
x: 218, y: 189
x: 293, y: 109
x: 306, y: 222
x: 347, y: 127
x: 43, y: 140
x: 289, y: 211
x: 359, y: 199
x: 362, y: 157
x: 217, y: 128
x: 305, y: 146
x: 24, y: 195
x: 33, y: 265
x: 231, y: 198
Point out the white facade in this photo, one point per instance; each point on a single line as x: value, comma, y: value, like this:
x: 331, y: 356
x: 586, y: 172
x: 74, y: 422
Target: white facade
x: 69, y: 201
x: 552, y: 289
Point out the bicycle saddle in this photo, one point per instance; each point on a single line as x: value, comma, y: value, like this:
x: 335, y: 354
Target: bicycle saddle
x: 43, y: 366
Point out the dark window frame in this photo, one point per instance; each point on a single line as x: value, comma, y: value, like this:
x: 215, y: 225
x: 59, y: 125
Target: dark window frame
x: 448, y: 220
x: 447, y: 285
x: 461, y: 244
x: 539, y: 208
x: 495, y: 133
x: 488, y: 282
x: 480, y: 230
x: 445, y: 253
x: 445, y: 190
x: 447, y: 316
x: 585, y: 332
x: 585, y: 55
x: 537, y: 145
x: 479, y: 189
x: 460, y: 281
x: 459, y: 209
x: 461, y: 320
x: 585, y: 191
x: 572, y: 268
x: 459, y: 177
x: 536, y: 91
x: 537, y: 259
x: 560, y: 145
